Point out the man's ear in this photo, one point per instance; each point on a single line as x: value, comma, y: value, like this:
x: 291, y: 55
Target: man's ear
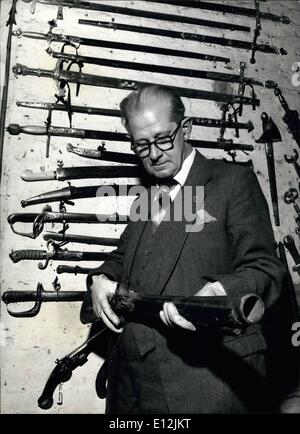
x: 123, y: 120
x: 187, y: 125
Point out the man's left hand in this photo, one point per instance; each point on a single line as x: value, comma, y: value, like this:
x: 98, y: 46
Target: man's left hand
x: 170, y: 315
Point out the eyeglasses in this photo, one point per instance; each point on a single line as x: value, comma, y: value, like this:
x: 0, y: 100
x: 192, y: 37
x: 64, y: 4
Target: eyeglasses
x: 163, y: 143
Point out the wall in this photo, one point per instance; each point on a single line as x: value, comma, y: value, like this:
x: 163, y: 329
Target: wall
x: 31, y: 346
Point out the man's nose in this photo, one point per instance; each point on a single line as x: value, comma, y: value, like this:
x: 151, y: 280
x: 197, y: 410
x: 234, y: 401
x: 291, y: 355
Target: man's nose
x: 155, y: 152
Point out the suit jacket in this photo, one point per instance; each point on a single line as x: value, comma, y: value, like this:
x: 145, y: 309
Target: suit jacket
x: 237, y: 249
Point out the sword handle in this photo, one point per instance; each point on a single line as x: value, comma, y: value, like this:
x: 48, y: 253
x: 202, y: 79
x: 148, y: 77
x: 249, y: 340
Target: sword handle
x: 19, y: 69
x: 18, y: 296
x: 29, y: 255
x: 289, y: 243
x: 16, y: 129
x: 29, y: 176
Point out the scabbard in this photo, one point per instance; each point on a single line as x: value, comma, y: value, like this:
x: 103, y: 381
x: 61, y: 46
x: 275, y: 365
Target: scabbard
x: 169, y: 70
x: 82, y: 239
x: 60, y: 217
x: 103, y: 154
x: 289, y: 243
x: 71, y: 39
x: 39, y: 130
x: 117, y: 83
x: 224, y: 8
x: 72, y: 108
x: 198, y: 121
x: 72, y: 193
x: 150, y: 14
x: 216, y: 40
x: 56, y: 255
x: 89, y: 172
x: 49, y: 296
x: 61, y: 269
x: 16, y: 129
x: 272, y: 179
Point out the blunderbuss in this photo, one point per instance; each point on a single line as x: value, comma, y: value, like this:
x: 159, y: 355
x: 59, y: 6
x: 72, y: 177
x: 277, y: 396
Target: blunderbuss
x: 217, y: 312
x: 221, y: 315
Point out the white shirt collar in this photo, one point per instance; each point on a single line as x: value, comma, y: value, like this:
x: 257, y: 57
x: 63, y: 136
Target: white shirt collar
x: 185, y: 169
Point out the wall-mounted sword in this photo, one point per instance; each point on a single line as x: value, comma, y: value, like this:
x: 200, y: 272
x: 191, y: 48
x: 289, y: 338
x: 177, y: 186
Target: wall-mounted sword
x: 117, y: 83
x: 39, y: 296
x: 148, y: 14
x: 198, y: 121
x: 289, y: 243
x: 271, y: 135
x: 71, y: 193
x: 48, y: 216
x: 81, y: 239
x: 77, y: 41
x: 61, y: 269
x: 158, y: 68
x: 16, y: 129
x: 226, y: 9
x: 102, y: 154
x: 291, y: 117
x: 81, y: 172
x: 56, y: 254
x: 206, y: 39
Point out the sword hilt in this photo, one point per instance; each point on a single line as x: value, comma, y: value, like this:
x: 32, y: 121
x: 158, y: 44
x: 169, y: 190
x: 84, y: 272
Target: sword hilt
x: 289, y: 243
x: 27, y: 255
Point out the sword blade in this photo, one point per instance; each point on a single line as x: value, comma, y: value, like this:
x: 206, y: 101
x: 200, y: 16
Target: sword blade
x: 117, y: 83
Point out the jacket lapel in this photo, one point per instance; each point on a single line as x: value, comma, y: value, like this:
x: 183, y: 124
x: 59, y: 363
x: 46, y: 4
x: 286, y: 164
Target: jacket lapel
x: 176, y: 232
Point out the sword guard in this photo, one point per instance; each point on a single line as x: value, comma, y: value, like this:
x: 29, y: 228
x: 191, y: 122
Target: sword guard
x: 36, y: 308
x: 291, y: 196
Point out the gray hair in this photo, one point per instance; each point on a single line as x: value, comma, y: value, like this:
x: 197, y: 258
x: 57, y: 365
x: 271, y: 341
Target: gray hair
x: 152, y: 94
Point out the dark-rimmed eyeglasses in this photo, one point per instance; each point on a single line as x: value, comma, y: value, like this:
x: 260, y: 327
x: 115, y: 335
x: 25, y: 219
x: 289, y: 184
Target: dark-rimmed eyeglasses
x: 163, y: 143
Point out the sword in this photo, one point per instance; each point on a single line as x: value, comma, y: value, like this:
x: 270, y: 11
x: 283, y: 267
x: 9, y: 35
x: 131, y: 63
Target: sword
x: 77, y: 41
x: 39, y: 296
x: 224, y: 8
x: 65, y: 173
x: 198, y: 121
x: 217, y: 40
x: 270, y: 135
x: 81, y: 239
x: 70, y: 193
x: 169, y: 70
x: 102, y: 154
x: 47, y: 216
x: 117, y: 83
x: 56, y: 255
x: 16, y: 129
x: 289, y: 243
x: 61, y: 269
x: 149, y: 14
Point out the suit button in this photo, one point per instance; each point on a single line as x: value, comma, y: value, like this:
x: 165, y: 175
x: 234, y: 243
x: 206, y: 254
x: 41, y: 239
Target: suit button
x: 148, y: 252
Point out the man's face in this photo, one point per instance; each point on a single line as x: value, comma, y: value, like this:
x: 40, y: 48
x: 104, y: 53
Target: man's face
x: 152, y: 123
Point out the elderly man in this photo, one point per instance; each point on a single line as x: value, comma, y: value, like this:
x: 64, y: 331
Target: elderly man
x: 171, y: 367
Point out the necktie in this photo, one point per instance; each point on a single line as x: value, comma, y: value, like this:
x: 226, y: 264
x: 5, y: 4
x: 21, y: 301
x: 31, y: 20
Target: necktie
x: 161, y: 203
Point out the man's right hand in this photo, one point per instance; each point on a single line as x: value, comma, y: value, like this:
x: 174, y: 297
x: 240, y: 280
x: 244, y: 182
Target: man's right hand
x: 102, y: 291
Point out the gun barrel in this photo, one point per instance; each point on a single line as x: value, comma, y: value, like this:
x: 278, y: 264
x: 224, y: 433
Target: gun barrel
x: 215, y: 312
